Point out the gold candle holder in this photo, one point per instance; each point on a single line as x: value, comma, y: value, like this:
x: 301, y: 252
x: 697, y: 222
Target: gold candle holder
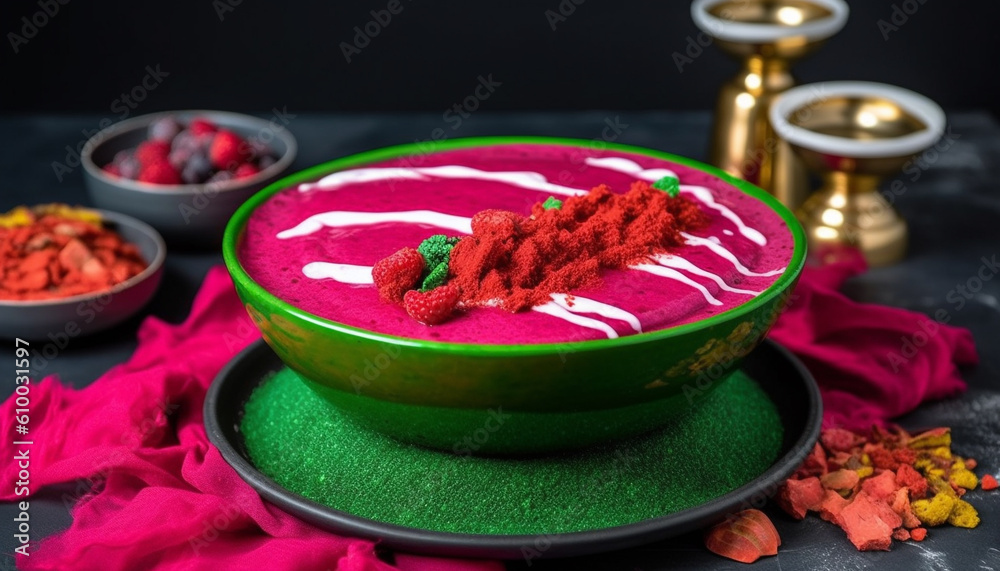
x: 854, y: 133
x: 766, y: 36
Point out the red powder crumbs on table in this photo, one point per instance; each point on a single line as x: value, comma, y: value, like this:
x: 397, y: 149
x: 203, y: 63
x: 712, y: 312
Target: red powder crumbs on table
x: 516, y: 262
x: 884, y: 485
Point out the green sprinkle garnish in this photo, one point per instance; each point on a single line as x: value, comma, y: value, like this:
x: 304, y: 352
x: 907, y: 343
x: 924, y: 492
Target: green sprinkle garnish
x: 437, y: 277
x: 435, y: 250
x: 552, y: 202
x: 669, y: 184
x: 311, y: 448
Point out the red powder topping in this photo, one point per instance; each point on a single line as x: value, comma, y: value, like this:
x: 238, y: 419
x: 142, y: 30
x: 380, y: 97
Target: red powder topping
x: 518, y: 262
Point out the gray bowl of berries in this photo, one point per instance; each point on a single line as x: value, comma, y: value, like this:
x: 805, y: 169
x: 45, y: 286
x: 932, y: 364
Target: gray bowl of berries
x: 185, y: 172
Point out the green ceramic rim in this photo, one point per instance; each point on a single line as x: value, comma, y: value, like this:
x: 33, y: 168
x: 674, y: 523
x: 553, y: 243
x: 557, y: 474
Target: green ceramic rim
x: 234, y: 231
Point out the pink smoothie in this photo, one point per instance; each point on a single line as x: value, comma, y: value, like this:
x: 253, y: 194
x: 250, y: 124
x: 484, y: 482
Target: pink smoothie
x: 313, y: 245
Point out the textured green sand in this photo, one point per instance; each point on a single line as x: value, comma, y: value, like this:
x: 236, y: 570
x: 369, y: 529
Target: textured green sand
x: 301, y: 442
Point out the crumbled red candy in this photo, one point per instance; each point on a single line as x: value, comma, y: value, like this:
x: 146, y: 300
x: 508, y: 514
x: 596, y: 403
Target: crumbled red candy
x: 516, y: 262
x: 884, y: 485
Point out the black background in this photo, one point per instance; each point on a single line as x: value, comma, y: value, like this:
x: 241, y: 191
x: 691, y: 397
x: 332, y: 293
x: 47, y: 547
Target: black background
x: 257, y: 55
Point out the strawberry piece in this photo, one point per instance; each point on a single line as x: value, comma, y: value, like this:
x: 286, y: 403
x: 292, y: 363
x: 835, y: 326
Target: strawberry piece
x: 745, y: 537
x: 149, y: 152
x: 228, y: 150
x: 159, y: 173
x: 432, y: 307
x: 882, y: 486
x: 202, y: 127
x: 988, y: 482
x: 864, y: 520
x: 843, y: 479
x: 397, y: 273
x: 839, y: 440
x: 246, y: 170
x: 799, y: 496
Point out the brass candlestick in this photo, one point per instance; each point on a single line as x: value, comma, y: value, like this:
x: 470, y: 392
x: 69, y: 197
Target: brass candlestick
x: 853, y: 134
x: 767, y: 36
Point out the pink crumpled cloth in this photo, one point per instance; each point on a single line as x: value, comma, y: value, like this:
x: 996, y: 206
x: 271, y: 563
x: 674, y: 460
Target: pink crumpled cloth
x: 166, y: 499
x: 872, y: 362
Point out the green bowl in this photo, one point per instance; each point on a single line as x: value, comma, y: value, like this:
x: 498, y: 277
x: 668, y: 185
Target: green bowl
x: 509, y: 399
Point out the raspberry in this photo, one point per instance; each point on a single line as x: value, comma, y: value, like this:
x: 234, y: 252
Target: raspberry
x: 245, y: 170
x: 432, y: 307
x: 112, y: 169
x: 202, y: 127
x: 228, y: 150
x: 397, y: 273
x: 159, y: 173
x: 149, y: 152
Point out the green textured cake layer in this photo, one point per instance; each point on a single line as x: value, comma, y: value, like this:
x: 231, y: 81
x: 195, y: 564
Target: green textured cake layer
x: 306, y: 446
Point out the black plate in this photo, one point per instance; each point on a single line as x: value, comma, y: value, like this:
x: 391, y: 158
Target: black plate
x: 785, y: 380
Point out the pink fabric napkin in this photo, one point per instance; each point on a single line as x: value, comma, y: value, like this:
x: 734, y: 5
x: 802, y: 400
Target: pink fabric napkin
x: 167, y: 500
x: 872, y: 362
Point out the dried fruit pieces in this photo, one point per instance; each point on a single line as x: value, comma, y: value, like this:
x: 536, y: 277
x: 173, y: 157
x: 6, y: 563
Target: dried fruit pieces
x: 55, y: 251
x: 885, y: 485
x: 744, y: 537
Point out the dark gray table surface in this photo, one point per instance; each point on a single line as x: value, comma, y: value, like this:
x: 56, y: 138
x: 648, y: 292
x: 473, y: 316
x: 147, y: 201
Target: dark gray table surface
x: 952, y: 204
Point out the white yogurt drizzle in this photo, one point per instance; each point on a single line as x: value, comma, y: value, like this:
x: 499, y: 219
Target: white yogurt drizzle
x: 672, y: 274
x: 523, y: 179
x: 555, y: 310
x: 343, y: 273
x: 703, y: 194
x: 666, y: 265
x: 679, y: 263
x: 338, y: 218
x: 718, y: 249
x: 587, y: 305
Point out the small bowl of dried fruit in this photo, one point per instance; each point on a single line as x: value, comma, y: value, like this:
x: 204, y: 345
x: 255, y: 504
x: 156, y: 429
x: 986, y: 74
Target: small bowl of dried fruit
x: 185, y: 172
x: 68, y: 271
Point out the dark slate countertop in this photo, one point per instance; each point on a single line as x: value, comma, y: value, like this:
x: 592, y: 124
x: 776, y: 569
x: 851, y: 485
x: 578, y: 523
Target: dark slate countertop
x: 952, y: 204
